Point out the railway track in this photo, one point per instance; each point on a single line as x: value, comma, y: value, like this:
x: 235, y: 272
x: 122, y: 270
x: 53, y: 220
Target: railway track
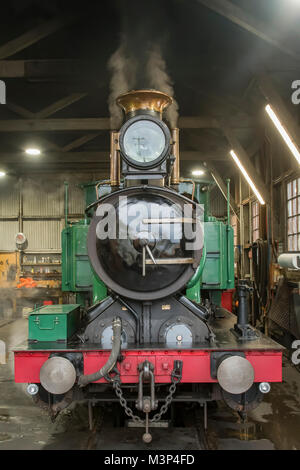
x: 184, y: 431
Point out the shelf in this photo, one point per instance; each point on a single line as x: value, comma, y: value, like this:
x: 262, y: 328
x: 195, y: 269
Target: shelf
x: 40, y: 264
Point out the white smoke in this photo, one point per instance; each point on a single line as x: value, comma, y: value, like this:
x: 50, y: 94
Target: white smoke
x: 159, y: 79
x: 123, y: 72
x: 127, y: 70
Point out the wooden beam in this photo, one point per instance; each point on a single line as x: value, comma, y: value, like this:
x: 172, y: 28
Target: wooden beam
x: 58, y: 105
x: 52, y: 157
x: 74, y: 69
x: 12, y: 68
x: 96, y: 124
x: 96, y: 156
x: 48, y: 110
x: 245, y: 20
x: 47, y: 144
x: 50, y: 69
x: 274, y: 99
x: 79, y: 142
x: 41, y: 125
x: 30, y: 37
x: 60, y: 165
x: 200, y: 156
x: 63, y: 168
x: 210, y: 122
x: 17, y: 109
x: 246, y: 162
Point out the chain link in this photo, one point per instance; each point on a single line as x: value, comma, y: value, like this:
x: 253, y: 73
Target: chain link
x: 157, y: 416
x: 166, y: 404
x: 123, y: 403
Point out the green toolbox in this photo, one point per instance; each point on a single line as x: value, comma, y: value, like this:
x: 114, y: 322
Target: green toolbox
x: 53, y: 322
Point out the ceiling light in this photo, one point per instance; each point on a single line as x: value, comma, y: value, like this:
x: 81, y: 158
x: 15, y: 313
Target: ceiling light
x: 33, y: 151
x: 247, y: 177
x: 198, y: 173
x: 2, y: 173
x: 293, y: 147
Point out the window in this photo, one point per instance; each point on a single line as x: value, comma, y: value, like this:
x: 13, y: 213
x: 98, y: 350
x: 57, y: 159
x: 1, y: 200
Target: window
x: 255, y: 221
x: 293, y: 213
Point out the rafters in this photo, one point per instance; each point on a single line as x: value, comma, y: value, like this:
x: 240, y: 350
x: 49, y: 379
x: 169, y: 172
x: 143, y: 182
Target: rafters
x: 58, y: 105
x: 245, y: 20
x: 97, y: 124
x: 80, y: 141
x: 48, y: 110
x: 31, y: 37
x: 97, y: 156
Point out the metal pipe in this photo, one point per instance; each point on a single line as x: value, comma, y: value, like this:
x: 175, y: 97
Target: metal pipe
x: 228, y: 230
x: 111, y: 362
x: 66, y: 202
x: 176, y: 167
x: 185, y: 180
x: 114, y: 160
x: 228, y: 201
x: 196, y: 277
x: 20, y: 216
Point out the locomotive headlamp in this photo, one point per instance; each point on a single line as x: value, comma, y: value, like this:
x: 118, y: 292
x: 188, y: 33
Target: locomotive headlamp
x: 144, y: 141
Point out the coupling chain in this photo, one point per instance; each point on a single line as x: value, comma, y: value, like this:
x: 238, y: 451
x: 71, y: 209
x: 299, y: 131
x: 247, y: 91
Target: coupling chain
x: 175, y: 379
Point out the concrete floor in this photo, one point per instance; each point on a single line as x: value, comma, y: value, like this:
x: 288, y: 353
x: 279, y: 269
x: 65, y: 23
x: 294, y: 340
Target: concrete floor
x: 275, y: 424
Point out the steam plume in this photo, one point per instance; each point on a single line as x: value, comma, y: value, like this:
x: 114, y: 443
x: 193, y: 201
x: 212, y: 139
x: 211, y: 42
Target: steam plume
x: 123, y: 71
x: 159, y: 79
x: 129, y: 68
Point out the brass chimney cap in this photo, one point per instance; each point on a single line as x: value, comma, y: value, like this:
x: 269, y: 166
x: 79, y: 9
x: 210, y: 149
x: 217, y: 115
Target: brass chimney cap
x: 151, y: 100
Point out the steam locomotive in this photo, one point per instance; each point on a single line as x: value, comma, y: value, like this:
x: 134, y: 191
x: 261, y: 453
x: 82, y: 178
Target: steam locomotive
x: 148, y: 268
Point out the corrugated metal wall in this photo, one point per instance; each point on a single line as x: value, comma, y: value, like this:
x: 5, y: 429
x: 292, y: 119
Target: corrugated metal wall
x: 218, y: 205
x: 43, y: 209
x: 42, y: 197
x: 9, y: 197
x: 8, y: 230
x: 76, y: 200
x: 43, y: 234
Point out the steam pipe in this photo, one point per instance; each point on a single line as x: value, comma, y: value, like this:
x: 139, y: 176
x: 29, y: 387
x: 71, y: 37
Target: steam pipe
x: 114, y: 160
x: 176, y: 167
x: 109, y: 365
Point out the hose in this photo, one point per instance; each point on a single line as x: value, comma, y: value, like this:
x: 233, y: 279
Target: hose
x: 109, y: 365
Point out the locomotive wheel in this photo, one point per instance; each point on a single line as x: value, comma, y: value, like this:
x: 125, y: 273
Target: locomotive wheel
x: 243, y: 402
